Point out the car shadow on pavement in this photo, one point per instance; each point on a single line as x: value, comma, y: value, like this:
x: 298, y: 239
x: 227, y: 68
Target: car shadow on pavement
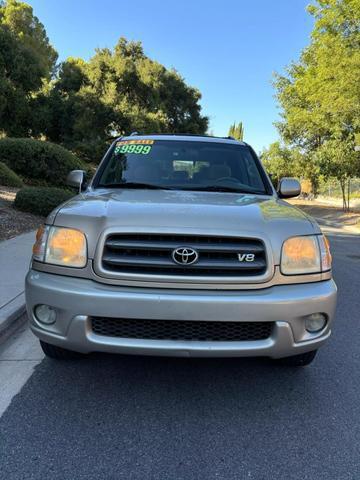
x: 177, y: 377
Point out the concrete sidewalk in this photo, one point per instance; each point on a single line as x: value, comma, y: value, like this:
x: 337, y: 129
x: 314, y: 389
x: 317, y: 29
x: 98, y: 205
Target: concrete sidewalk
x: 15, y: 255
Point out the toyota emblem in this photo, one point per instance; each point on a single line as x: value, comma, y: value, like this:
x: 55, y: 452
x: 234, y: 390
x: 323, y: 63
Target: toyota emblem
x: 185, y: 255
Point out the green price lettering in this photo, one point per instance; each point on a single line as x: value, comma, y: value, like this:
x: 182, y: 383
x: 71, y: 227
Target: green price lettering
x: 138, y: 148
x: 146, y: 149
x: 123, y: 149
x: 133, y: 148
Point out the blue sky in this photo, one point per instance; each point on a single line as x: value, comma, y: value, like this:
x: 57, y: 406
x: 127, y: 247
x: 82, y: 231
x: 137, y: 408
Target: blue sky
x: 227, y: 49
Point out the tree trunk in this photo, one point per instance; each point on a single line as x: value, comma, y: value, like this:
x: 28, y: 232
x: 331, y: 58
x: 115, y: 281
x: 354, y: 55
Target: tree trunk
x: 343, y: 191
x: 314, y: 185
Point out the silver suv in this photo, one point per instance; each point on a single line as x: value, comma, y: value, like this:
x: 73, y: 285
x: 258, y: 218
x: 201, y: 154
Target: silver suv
x: 180, y: 245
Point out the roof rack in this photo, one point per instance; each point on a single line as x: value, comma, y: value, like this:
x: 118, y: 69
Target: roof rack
x: 182, y: 135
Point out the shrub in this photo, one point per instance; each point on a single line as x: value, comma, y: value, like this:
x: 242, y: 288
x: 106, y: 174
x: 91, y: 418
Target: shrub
x: 38, y: 160
x: 8, y: 177
x: 40, y: 200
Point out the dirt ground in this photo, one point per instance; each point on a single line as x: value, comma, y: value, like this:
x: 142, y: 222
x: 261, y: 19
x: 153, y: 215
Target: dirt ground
x: 12, y: 221
x: 328, y: 212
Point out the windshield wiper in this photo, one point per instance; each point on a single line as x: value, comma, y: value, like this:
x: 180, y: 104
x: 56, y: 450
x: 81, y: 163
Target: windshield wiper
x: 224, y: 188
x: 135, y: 185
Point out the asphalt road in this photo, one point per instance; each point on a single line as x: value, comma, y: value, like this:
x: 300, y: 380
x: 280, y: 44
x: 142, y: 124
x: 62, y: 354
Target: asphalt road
x: 112, y: 417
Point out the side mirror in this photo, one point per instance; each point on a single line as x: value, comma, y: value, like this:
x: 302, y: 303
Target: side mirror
x: 76, y: 179
x: 289, y: 187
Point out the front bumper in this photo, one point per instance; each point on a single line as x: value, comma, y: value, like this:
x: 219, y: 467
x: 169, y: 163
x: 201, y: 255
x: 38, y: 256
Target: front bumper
x: 75, y: 299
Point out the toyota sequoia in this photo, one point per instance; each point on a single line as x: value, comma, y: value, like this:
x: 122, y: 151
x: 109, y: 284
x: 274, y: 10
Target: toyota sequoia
x: 180, y: 245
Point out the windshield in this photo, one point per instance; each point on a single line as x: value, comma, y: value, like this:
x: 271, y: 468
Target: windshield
x: 185, y: 165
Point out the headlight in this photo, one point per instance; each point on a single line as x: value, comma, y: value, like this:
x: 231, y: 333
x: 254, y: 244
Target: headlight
x: 60, y: 246
x: 307, y: 254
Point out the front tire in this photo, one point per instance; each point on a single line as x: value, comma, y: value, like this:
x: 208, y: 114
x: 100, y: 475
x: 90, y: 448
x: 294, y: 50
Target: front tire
x: 300, y: 360
x: 58, y: 353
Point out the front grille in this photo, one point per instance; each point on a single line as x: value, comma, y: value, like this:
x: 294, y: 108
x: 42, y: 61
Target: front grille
x: 181, y: 329
x: 151, y: 254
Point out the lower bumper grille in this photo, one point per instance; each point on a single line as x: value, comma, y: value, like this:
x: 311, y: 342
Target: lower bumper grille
x: 181, y: 329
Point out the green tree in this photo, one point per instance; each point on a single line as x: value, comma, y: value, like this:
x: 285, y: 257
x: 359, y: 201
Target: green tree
x: 26, y: 60
x: 30, y: 32
x: 143, y: 93
x: 338, y: 159
x: 283, y: 161
x: 320, y: 94
x: 279, y: 162
x: 237, y: 131
x: 18, y: 78
x: 70, y: 113
x: 118, y: 91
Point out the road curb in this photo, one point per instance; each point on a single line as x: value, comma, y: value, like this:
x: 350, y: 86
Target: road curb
x: 10, y: 314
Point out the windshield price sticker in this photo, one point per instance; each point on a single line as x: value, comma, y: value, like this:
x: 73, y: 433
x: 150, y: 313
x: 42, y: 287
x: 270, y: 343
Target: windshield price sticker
x: 135, y: 142
x: 134, y: 146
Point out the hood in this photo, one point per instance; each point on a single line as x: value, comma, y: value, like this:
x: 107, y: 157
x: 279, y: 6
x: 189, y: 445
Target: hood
x: 183, y: 211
